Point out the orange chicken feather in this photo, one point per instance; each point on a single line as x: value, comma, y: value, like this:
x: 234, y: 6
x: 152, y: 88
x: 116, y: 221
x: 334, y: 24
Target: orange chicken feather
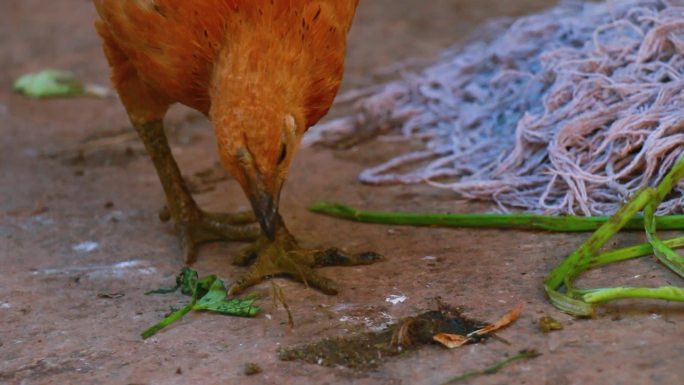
x: 263, y: 72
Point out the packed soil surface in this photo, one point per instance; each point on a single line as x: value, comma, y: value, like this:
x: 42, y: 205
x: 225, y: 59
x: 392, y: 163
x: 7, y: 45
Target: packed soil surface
x: 81, y: 242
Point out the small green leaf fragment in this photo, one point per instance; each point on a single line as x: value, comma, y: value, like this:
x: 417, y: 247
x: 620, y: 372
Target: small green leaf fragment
x: 547, y: 324
x: 49, y: 83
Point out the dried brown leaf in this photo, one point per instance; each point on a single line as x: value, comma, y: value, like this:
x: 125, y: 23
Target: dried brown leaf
x: 504, y: 321
x: 451, y: 341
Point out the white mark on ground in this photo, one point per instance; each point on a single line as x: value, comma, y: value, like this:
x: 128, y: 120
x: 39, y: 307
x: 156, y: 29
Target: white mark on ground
x: 127, y: 264
x: 371, y: 325
x: 5, y: 305
x: 429, y: 258
x: 114, y: 269
x: 86, y: 247
x: 43, y: 220
x: 342, y: 307
x: 147, y: 270
x: 40, y: 220
x: 114, y: 216
x: 396, y: 299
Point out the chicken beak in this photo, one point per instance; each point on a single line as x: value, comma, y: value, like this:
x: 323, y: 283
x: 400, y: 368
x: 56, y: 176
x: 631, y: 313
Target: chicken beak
x: 266, y: 212
x: 264, y: 202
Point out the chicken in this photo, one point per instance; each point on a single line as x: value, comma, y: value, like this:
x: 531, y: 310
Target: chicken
x: 263, y: 72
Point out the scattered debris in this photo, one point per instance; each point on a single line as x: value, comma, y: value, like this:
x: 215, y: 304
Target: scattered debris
x: 395, y: 299
x: 279, y: 296
x: 547, y: 324
x: 252, y: 368
x: 110, y: 295
x: 86, y: 247
x: 522, y: 355
x: 366, y: 351
x: 208, y: 293
x: 367, y: 318
x: 51, y: 83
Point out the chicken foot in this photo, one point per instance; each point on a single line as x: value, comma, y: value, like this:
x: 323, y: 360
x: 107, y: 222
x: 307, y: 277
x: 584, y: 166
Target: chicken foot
x: 283, y: 256
x: 193, y: 225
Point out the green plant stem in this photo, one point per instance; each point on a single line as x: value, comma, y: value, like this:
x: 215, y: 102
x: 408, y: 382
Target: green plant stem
x: 627, y: 253
x: 167, y: 321
x: 568, y: 267
x: 499, y: 221
x: 524, y: 355
x: 667, y: 293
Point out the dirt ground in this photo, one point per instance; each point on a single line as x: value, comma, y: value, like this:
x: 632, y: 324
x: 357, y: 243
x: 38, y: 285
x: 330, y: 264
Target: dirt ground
x: 80, y: 241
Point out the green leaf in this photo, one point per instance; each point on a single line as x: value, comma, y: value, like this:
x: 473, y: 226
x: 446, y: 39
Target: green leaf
x: 215, y: 300
x: 49, y: 83
x: 187, y: 280
x: 217, y: 292
x: 208, y: 294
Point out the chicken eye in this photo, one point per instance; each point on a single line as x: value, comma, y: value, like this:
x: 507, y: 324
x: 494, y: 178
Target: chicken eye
x: 283, y: 153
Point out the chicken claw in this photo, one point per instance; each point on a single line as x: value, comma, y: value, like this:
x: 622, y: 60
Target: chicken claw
x: 283, y: 256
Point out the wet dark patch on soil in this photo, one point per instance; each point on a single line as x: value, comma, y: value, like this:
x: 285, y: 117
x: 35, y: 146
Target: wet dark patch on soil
x: 367, y: 351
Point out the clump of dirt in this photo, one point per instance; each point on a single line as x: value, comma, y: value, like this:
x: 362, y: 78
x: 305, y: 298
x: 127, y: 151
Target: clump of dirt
x: 367, y: 351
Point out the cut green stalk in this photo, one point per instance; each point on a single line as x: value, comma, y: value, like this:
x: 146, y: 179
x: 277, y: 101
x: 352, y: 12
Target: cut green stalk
x: 565, y: 224
x: 175, y: 316
x: 625, y: 254
x: 580, y: 302
x: 667, y: 293
x: 599, y: 238
x: 664, y: 253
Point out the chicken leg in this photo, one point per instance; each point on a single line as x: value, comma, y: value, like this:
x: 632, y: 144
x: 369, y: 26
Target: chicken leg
x: 193, y: 225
